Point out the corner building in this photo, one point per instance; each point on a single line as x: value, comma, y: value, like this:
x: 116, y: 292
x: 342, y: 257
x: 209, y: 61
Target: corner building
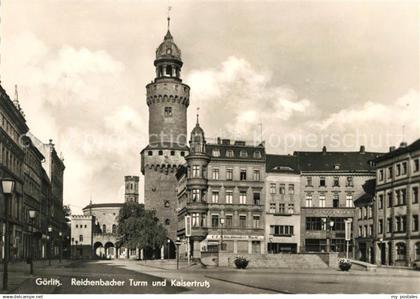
x: 397, y: 206
x: 222, y: 188
x: 168, y: 100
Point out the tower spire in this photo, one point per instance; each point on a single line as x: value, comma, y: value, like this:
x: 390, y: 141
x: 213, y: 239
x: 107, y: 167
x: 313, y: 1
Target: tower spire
x: 16, y: 99
x: 169, y: 17
x: 198, y: 114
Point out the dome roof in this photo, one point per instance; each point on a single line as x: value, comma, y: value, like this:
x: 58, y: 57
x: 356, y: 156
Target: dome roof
x: 197, y: 131
x: 168, y: 49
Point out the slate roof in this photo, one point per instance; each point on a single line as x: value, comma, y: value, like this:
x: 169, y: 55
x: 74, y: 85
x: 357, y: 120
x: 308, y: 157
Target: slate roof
x: 281, y: 163
x: 322, y: 161
x: 336, y: 161
x: 399, y: 151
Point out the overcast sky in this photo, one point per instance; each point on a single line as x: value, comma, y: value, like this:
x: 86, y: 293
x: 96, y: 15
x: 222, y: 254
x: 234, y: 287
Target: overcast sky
x: 314, y: 73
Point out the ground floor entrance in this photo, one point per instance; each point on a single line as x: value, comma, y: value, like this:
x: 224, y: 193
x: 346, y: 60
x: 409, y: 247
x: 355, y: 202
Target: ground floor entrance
x: 282, y: 248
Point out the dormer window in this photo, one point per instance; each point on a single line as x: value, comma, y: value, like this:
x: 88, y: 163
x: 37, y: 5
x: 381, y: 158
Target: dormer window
x: 229, y: 154
x: 257, y: 155
x: 216, y: 153
x: 243, y: 154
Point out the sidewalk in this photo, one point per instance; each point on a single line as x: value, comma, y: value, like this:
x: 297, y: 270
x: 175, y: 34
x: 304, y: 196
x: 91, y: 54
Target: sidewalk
x: 19, y: 273
x: 170, y: 265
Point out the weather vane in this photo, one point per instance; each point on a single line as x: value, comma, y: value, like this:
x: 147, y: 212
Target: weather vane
x: 169, y: 15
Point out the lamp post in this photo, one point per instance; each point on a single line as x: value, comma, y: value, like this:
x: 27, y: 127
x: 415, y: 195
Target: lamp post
x: 32, y: 215
x: 222, y: 221
x: 76, y: 249
x: 168, y: 242
x: 271, y: 245
x: 8, y: 186
x: 330, y: 224
x: 81, y: 249
x: 49, y: 244
x: 177, y: 243
x: 60, y: 234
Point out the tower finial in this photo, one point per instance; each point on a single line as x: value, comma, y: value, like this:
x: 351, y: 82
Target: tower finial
x: 169, y: 16
x: 198, y: 114
x: 16, y: 99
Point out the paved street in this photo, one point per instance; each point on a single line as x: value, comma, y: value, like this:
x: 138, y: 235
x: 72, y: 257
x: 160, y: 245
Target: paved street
x: 215, y: 280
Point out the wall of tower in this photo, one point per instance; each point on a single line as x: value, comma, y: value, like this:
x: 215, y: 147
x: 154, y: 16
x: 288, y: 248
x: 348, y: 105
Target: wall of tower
x: 168, y: 93
x: 160, y: 184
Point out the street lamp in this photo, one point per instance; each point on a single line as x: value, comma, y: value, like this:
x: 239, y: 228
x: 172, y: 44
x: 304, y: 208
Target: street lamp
x: 178, y: 242
x: 168, y: 243
x: 8, y: 187
x: 60, y: 234
x: 330, y: 224
x: 49, y: 244
x: 76, y: 248
x: 222, y: 221
x: 271, y: 245
x: 32, y: 215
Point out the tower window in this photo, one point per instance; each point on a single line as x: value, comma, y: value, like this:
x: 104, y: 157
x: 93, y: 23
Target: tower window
x: 167, y: 222
x: 166, y: 204
x: 172, y: 153
x: 168, y: 111
x: 169, y: 70
x: 160, y: 153
x: 182, y: 154
x: 150, y: 153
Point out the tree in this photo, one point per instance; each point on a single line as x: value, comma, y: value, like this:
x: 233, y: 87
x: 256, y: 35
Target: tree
x: 139, y: 228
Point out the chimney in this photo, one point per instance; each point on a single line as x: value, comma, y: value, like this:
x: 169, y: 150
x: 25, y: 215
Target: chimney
x: 403, y: 144
x: 324, y: 149
x: 362, y: 149
x: 391, y: 148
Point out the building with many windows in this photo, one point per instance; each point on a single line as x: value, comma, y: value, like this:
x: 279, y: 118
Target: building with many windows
x: 330, y: 182
x: 397, y: 206
x: 38, y: 175
x: 221, y: 187
x: 365, y: 223
x: 282, y: 204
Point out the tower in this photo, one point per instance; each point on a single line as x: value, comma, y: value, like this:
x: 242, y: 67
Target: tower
x: 167, y: 100
x: 131, y: 188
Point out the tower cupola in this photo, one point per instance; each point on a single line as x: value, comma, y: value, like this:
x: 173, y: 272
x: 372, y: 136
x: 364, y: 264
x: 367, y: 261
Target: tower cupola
x: 168, y: 61
x: 197, y: 140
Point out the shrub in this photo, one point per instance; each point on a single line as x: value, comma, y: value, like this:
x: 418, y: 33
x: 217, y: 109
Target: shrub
x: 344, y: 264
x: 241, y: 262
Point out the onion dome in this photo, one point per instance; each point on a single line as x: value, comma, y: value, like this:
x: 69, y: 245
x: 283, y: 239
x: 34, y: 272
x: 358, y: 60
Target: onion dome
x: 168, y: 50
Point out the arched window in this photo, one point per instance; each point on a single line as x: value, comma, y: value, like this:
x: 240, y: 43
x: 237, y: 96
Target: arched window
x: 167, y: 204
x: 169, y: 70
x: 114, y: 228
x: 167, y: 222
x: 104, y: 229
x: 417, y: 257
x: 401, y: 251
